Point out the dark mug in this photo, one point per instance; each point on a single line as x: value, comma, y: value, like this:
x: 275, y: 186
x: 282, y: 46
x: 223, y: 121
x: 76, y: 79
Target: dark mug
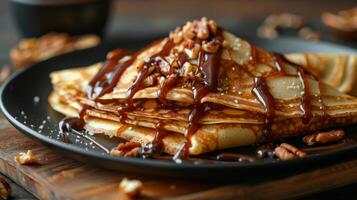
x: 34, y: 18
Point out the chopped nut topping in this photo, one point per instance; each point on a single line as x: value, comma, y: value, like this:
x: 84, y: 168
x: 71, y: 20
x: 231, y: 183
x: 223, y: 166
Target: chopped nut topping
x: 187, y: 31
x: 286, y: 151
x: 128, y: 149
x: 193, y: 52
x: 5, y: 189
x: 27, y: 158
x: 189, y: 44
x: 189, y: 69
x: 150, y: 80
x: 211, y: 47
x: 177, y: 38
x: 324, y: 137
x: 202, y: 29
x: 132, y: 188
x: 212, y: 26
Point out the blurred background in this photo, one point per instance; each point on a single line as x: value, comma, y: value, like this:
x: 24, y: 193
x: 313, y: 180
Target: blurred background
x: 154, y: 18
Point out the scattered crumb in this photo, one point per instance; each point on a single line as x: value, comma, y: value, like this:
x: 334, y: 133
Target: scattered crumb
x: 131, y: 188
x: 27, y: 158
x: 36, y: 99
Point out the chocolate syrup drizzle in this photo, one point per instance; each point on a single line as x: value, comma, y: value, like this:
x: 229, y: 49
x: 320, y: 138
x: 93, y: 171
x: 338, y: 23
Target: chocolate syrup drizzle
x: 209, y: 64
x: 110, y: 74
x: 262, y: 93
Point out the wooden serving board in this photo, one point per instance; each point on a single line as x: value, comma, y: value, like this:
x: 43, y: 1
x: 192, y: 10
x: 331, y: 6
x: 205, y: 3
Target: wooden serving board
x: 60, y: 177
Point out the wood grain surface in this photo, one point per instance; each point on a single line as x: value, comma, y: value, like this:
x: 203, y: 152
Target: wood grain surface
x: 59, y: 177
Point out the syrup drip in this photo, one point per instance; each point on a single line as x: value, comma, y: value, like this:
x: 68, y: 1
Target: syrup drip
x: 75, y: 125
x: 261, y: 91
x: 320, y: 99
x: 103, y: 82
x: 306, y: 96
x: 171, y: 79
x: 305, y: 106
x: 264, y: 96
x: 167, y: 86
x: 279, y: 63
x: 109, y: 75
x: 145, y: 72
x: 67, y: 124
x: 209, y: 66
x: 156, y: 146
x: 139, y: 84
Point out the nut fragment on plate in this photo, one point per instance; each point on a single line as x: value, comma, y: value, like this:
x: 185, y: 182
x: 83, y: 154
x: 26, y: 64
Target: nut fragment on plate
x: 324, y: 137
x: 5, y: 189
x: 131, y: 188
x: 343, y: 23
x: 275, y: 24
x: 128, y: 149
x: 308, y: 34
x: 287, y: 151
x: 27, y: 158
x: 32, y: 50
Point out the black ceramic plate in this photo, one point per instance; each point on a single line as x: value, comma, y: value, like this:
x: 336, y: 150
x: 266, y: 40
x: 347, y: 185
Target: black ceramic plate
x: 24, y: 103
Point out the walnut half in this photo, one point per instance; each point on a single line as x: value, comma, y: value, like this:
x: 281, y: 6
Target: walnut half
x: 131, y: 188
x: 5, y: 189
x: 287, y: 151
x: 128, y: 149
x: 27, y: 158
x: 324, y: 137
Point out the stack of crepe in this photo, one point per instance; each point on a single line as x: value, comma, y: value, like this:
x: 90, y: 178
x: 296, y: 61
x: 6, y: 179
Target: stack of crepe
x: 252, y: 95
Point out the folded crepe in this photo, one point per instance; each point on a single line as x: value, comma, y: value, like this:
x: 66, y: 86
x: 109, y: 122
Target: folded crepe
x: 199, y: 90
x: 338, y: 71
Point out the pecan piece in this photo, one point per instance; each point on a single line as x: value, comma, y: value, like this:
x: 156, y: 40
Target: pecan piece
x: 212, y: 26
x: 324, y: 137
x: 211, y: 47
x: 132, y: 188
x: 287, y: 151
x: 5, y: 189
x: 187, y: 31
x: 128, y: 149
x: 27, y: 158
x: 176, y: 37
x: 202, y: 29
